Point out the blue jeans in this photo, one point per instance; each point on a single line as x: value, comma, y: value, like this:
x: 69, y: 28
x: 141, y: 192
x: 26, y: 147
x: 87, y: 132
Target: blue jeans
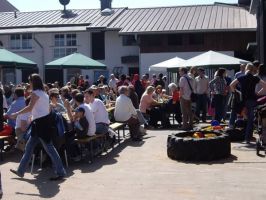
x: 250, y: 104
x: 49, y: 148
x: 101, y: 128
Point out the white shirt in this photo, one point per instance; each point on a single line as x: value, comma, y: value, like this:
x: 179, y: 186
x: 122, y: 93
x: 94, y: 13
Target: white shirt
x: 112, y: 83
x: 99, y: 111
x: 42, y: 106
x: 5, y: 102
x: 202, y: 85
x: 23, y: 117
x: 124, y: 108
x: 183, y: 83
x: 90, y: 118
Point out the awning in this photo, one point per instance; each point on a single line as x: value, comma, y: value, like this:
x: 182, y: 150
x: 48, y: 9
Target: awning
x: 10, y: 59
x: 213, y: 59
x: 75, y: 60
x: 167, y: 65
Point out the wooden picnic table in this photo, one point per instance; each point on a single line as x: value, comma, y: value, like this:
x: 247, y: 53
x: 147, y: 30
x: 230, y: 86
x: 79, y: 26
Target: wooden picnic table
x: 110, y: 109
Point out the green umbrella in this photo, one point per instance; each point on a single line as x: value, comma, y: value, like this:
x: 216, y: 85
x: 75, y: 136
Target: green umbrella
x: 9, y: 59
x: 75, y: 60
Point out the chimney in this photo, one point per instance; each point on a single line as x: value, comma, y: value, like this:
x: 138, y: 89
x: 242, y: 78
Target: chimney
x: 106, y: 4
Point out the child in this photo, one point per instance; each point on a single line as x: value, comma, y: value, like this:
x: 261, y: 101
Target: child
x: 22, y: 123
x: 81, y: 124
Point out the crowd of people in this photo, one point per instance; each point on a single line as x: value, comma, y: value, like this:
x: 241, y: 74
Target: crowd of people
x: 143, y: 103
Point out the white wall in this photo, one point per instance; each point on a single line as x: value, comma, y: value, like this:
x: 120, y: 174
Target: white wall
x: 114, y: 50
x: 43, y: 50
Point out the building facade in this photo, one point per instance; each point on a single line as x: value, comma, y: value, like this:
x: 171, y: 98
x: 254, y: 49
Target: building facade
x: 126, y: 40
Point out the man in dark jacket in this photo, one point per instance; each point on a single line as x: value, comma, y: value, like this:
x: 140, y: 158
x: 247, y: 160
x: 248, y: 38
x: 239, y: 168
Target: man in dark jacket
x: 248, y: 83
x: 159, y: 81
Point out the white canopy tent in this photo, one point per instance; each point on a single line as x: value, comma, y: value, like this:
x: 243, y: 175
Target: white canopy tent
x: 168, y: 64
x: 213, y: 59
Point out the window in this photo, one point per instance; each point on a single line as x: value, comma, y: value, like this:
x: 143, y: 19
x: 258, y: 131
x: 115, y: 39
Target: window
x: 59, y: 52
x: 71, y: 40
x: 175, y: 39
x: 65, y: 44
x: 129, y: 40
x: 59, y: 40
x: 26, y: 41
x: 62, y: 52
x: 98, y: 46
x: 21, y: 41
x: 196, y: 39
x: 152, y: 40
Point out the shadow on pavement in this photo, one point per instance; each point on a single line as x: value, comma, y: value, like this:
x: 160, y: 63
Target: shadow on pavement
x: 49, y: 189
x: 46, y: 188
x: 105, y: 159
x: 230, y: 159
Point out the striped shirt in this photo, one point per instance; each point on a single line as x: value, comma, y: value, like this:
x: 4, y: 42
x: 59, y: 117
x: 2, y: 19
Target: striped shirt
x: 218, y: 85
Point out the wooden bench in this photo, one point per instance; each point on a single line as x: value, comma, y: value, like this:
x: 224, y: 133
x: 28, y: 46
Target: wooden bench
x: 2, y: 140
x: 90, y: 141
x: 117, y: 126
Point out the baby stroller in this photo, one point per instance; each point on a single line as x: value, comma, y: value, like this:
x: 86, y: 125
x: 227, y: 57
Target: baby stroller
x: 261, y: 125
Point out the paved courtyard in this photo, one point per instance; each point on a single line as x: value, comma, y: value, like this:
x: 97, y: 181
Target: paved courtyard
x: 136, y: 171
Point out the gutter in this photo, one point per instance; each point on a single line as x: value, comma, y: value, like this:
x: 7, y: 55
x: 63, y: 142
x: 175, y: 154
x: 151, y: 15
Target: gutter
x: 187, y: 31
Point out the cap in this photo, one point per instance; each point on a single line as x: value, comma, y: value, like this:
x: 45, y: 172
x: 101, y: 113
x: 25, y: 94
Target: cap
x: 79, y: 109
x: 94, y: 87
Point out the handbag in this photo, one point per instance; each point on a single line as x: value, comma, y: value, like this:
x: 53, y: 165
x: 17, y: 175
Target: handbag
x: 193, y: 96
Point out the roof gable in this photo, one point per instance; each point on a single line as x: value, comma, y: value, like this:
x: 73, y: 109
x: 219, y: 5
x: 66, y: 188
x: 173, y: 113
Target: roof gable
x: 5, y: 6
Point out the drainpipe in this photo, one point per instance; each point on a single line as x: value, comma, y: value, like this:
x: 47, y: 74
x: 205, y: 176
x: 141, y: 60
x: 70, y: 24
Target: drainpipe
x: 138, y: 43
x: 40, y: 45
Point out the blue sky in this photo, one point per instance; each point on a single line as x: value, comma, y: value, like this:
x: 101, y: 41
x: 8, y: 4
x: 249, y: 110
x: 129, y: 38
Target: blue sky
x: 34, y: 5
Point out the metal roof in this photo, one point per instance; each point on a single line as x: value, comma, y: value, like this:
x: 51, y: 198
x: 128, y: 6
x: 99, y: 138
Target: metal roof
x: 5, y: 6
x: 43, y: 30
x: 197, y: 18
x: 91, y: 17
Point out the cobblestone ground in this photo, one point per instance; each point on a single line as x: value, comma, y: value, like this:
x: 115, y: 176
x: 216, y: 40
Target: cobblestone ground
x: 143, y: 171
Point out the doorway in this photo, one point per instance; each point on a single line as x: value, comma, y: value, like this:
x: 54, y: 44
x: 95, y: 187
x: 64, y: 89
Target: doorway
x: 52, y: 75
x: 133, y: 70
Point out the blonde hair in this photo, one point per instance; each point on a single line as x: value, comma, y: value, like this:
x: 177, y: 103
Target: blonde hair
x: 249, y: 67
x: 149, y: 89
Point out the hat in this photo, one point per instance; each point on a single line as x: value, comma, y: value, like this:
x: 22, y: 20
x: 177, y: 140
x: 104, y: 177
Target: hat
x: 93, y: 87
x: 79, y: 109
